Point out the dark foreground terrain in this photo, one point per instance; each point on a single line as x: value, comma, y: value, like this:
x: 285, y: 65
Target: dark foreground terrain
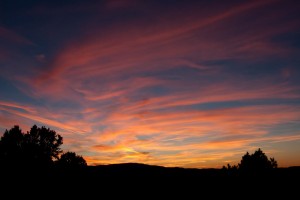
x: 139, y: 180
x: 28, y: 170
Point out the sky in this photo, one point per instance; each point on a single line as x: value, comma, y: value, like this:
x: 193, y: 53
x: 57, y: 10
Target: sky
x: 186, y: 83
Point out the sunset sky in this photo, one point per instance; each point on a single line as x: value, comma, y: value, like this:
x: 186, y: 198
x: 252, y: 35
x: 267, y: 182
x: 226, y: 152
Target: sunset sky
x: 163, y: 82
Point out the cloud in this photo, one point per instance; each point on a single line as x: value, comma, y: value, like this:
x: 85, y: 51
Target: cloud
x: 34, y: 115
x: 125, y: 50
x: 216, y: 131
x: 177, y: 87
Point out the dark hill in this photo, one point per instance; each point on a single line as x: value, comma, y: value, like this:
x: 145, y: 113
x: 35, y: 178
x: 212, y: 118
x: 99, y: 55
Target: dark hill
x: 141, y: 180
x: 139, y: 169
x: 150, y: 171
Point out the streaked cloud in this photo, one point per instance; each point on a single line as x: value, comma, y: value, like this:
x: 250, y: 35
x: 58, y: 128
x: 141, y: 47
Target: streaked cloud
x: 149, y: 82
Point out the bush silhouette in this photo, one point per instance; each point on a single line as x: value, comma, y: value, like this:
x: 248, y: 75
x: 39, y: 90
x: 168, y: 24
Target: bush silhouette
x: 70, y: 160
x: 256, y: 163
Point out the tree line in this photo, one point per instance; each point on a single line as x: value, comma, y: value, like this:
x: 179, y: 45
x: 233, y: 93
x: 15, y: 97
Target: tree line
x: 38, y: 149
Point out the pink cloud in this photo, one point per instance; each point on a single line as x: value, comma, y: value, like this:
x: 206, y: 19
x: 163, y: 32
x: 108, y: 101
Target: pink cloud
x: 114, y: 77
x: 116, y: 50
x: 113, y: 42
x: 34, y: 115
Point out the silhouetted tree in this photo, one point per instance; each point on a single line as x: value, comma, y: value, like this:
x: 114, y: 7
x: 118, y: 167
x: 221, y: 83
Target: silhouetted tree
x: 42, y: 145
x: 246, y: 163
x: 11, y: 147
x: 70, y: 160
x: 37, y: 148
x: 256, y: 163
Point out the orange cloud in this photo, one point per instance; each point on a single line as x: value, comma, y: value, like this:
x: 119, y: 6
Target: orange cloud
x: 158, y: 90
x: 35, y: 116
x: 167, y: 136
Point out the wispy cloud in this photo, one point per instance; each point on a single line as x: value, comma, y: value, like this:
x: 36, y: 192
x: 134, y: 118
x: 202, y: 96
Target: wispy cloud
x: 35, y: 114
x: 195, y: 86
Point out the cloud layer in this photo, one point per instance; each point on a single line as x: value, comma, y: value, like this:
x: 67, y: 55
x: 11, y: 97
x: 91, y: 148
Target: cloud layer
x: 189, y: 84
